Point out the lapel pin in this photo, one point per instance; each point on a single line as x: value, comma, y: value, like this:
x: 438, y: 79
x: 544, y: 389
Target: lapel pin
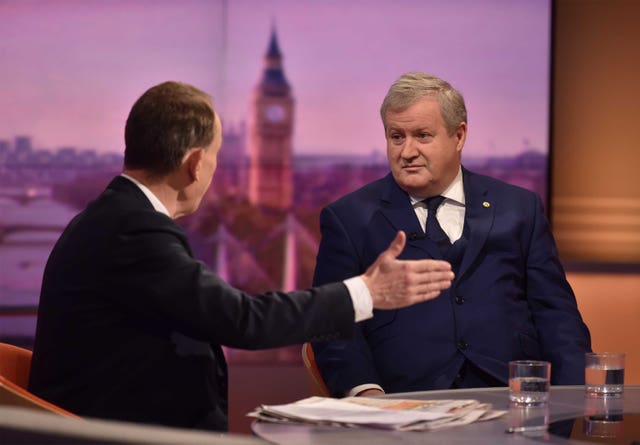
x: 486, y: 204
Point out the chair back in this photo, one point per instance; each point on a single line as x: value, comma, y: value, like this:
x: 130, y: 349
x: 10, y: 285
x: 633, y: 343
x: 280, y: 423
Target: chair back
x: 316, y: 382
x: 15, y: 365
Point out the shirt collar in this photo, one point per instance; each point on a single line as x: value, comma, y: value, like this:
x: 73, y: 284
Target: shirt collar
x: 454, y: 192
x: 155, y: 202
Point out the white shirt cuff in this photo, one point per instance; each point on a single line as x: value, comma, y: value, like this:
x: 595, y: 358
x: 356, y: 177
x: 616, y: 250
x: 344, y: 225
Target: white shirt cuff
x: 361, y: 298
x: 360, y: 388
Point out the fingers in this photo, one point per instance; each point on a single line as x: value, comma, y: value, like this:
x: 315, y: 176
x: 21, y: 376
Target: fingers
x: 396, y: 246
x: 407, y: 286
x: 431, y: 275
x: 426, y: 291
x: 426, y: 266
x: 424, y: 275
x: 395, y: 283
x: 427, y: 286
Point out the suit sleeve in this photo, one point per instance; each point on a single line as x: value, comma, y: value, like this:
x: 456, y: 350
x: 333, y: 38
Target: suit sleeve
x: 563, y: 335
x: 344, y: 363
x: 164, y: 283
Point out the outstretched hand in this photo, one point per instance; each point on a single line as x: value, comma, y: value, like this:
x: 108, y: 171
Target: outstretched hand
x: 395, y: 283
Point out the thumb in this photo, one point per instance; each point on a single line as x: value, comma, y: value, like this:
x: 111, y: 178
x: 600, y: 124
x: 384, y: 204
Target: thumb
x: 396, y: 246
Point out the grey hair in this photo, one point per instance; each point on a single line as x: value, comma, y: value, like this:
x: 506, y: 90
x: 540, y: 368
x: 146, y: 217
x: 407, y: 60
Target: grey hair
x: 411, y: 87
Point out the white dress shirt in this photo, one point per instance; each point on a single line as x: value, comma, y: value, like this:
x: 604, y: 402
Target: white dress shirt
x: 450, y: 213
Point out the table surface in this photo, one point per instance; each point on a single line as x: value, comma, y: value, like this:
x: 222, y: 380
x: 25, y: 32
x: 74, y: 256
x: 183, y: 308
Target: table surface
x: 19, y: 425
x: 566, y: 402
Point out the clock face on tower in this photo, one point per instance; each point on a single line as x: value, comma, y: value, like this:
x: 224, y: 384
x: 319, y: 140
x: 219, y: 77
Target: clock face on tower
x: 275, y: 113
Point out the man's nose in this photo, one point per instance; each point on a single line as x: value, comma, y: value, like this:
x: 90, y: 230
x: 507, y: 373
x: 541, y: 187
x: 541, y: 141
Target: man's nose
x: 410, y: 148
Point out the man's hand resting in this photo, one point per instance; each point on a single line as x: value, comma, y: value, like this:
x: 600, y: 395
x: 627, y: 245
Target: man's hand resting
x: 395, y: 283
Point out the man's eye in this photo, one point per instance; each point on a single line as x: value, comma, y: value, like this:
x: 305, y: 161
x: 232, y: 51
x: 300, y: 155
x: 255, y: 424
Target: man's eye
x: 395, y: 137
x: 424, y: 135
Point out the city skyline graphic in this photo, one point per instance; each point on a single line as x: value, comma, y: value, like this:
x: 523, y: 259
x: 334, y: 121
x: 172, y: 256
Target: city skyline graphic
x: 75, y: 67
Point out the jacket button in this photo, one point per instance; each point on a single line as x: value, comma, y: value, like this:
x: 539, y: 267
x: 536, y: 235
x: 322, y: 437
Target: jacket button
x: 459, y: 299
x: 462, y: 345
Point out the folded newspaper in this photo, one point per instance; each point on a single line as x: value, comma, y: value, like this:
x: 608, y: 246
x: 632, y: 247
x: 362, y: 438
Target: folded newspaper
x: 393, y: 414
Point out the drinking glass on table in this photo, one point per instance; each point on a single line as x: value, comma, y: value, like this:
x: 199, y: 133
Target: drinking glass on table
x: 604, y: 373
x: 529, y: 381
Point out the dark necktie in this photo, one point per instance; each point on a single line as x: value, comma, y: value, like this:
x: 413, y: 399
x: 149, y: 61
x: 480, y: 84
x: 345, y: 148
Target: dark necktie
x: 434, y: 231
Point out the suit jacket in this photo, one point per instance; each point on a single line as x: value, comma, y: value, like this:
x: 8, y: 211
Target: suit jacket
x: 509, y: 300
x: 130, y: 324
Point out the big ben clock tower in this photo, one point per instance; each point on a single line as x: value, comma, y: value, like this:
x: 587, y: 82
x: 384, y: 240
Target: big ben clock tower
x: 270, y: 131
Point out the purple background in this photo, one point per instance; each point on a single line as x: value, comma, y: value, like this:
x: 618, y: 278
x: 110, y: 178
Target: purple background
x: 72, y: 68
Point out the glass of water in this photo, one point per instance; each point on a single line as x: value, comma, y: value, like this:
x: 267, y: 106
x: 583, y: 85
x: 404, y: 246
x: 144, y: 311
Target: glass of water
x: 529, y: 382
x: 604, y: 373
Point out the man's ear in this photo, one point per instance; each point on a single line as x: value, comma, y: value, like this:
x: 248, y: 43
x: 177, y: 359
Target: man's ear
x: 461, y: 134
x: 193, y: 163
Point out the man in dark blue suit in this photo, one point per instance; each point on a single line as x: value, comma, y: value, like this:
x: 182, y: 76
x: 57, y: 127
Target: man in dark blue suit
x: 510, y: 298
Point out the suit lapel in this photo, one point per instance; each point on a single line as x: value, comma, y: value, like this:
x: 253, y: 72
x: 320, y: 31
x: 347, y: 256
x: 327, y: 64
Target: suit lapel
x: 396, y: 208
x: 479, y: 216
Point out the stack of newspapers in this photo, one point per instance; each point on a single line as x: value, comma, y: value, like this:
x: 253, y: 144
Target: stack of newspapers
x: 392, y: 414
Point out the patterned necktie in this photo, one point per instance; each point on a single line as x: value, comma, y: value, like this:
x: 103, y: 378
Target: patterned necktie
x: 434, y: 231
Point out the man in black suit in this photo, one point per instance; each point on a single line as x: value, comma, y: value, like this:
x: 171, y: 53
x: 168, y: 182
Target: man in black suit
x: 130, y: 324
